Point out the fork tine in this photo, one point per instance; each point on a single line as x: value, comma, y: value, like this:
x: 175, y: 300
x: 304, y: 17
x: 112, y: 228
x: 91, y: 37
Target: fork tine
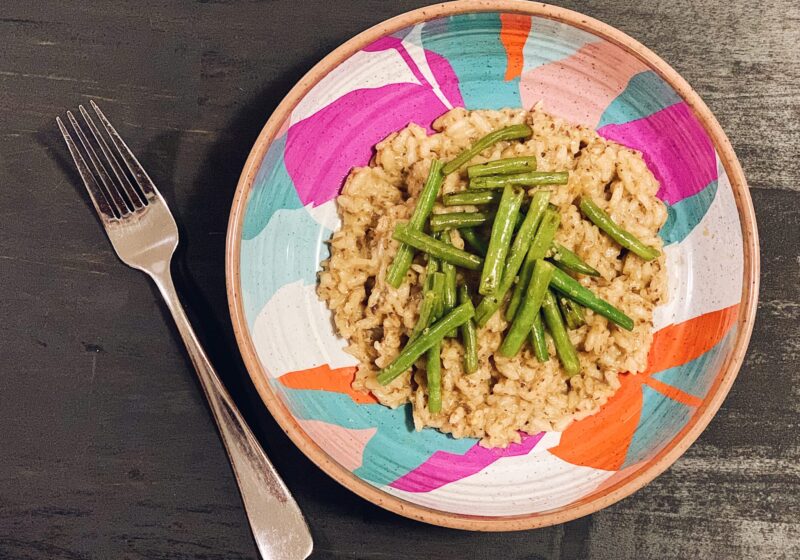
x: 110, y: 188
x: 133, y: 194
x: 139, y: 174
x: 101, y: 204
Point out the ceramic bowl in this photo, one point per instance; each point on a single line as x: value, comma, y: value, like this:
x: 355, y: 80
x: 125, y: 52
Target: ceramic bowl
x: 489, y: 55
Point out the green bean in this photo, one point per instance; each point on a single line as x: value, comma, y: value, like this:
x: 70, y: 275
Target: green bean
x: 456, y: 220
x: 568, y: 261
x: 529, y: 179
x: 437, y: 248
x: 538, y: 250
x: 528, y: 309
x: 544, y: 235
x: 435, y: 333
x: 507, y: 166
x: 513, y: 132
x: 449, y: 296
x: 433, y: 266
x: 564, y: 349
x: 426, y: 308
x: 516, y: 255
x: 571, y: 288
x: 469, y: 334
x: 572, y: 312
x: 433, y: 368
x: 500, y: 240
x: 437, y: 287
x: 474, y: 198
x: 475, y: 241
x: 538, y: 341
x: 615, y: 232
x: 427, y: 198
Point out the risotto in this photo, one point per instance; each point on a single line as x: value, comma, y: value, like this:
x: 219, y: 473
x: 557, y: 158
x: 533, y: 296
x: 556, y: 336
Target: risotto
x: 504, y: 395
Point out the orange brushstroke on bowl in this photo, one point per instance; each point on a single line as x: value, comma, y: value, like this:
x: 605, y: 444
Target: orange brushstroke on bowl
x: 601, y: 441
x: 514, y: 29
x: 323, y: 378
x: 678, y: 344
x: 673, y: 392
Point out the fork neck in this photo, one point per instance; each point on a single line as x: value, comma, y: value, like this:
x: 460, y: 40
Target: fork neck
x: 208, y: 377
x: 163, y: 280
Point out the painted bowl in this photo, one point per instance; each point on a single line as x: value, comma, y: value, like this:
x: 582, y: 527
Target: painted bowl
x: 489, y: 55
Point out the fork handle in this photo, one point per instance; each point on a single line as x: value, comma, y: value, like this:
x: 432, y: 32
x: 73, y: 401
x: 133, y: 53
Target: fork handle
x: 278, y: 526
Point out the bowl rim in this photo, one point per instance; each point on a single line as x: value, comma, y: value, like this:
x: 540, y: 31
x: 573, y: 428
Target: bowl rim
x: 614, y: 492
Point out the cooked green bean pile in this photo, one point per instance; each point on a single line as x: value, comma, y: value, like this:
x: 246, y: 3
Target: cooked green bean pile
x: 510, y: 256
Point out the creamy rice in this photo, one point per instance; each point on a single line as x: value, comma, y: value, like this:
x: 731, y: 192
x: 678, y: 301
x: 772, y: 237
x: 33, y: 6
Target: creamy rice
x: 505, y: 395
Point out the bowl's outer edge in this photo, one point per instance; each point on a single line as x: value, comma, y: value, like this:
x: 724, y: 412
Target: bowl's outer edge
x: 666, y: 456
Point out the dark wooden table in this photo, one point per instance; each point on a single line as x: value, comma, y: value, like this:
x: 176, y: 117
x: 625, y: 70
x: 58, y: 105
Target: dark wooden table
x: 106, y: 448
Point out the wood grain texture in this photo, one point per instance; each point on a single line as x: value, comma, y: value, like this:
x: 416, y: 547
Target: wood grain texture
x: 107, y: 449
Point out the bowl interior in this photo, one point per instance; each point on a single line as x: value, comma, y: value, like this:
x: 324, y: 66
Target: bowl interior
x: 485, y: 60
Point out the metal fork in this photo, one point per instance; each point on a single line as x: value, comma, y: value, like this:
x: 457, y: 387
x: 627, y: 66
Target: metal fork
x: 144, y: 235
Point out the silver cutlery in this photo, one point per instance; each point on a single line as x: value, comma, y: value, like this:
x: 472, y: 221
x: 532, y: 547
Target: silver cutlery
x: 144, y: 235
